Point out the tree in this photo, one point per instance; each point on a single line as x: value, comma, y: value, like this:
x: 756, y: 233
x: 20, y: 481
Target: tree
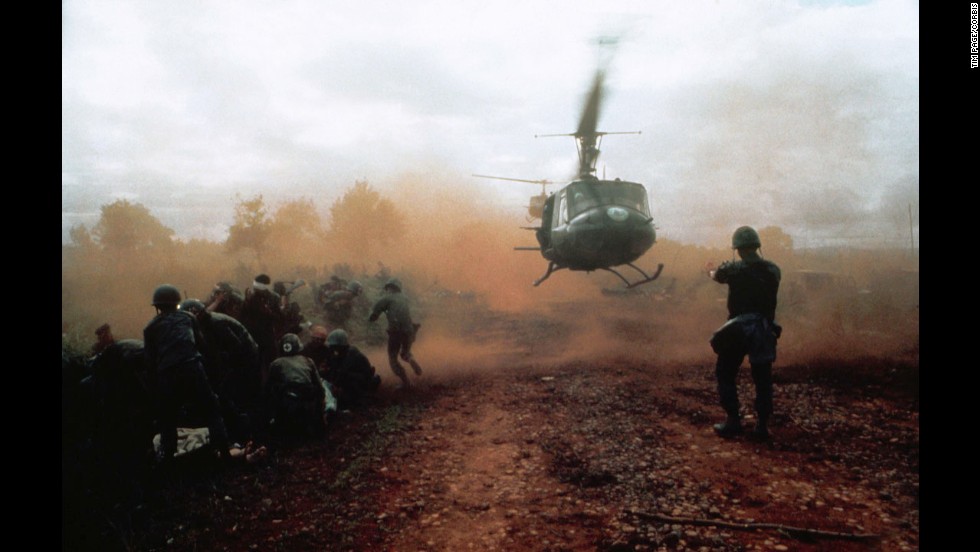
x: 297, y: 220
x: 81, y: 237
x: 362, y: 219
x: 775, y: 239
x: 777, y: 246
x: 296, y: 233
x: 251, y: 227
x: 128, y: 227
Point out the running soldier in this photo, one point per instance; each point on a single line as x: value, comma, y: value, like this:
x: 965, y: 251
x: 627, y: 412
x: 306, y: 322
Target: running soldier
x: 401, y: 330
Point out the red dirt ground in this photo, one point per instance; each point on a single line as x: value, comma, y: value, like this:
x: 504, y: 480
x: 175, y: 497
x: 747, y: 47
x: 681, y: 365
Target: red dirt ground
x: 515, y: 449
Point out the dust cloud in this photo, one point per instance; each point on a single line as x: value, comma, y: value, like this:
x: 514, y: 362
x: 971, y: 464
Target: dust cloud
x: 799, y: 146
x: 472, y: 292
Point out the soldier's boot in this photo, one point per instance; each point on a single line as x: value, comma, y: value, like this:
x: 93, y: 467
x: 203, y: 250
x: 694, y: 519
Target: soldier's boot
x: 415, y: 366
x: 761, y: 430
x: 399, y: 371
x: 731, y: 427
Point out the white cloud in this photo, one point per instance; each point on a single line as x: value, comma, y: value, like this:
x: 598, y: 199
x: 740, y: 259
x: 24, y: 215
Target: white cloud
x: 253, y: 95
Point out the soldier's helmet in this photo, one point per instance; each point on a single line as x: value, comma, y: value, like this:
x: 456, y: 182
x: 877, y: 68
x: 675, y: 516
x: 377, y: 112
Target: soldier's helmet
x: 290, y: 344
x: 318, y: 332
x: 166, y: 295
x: 338, y: 338
x: 394, y: 283
x: 355, y: 287
x: 192, y: 306
x: 745, y: 236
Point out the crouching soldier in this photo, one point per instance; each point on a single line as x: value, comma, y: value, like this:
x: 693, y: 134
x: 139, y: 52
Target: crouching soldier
x: 233, y: 367
x: 295, y: 396
x: 349, y: 372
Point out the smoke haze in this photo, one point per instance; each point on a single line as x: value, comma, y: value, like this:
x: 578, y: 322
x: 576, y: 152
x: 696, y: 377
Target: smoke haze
x: 472, y: 292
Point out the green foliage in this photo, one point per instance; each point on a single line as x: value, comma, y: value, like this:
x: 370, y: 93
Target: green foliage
x: 127, y: 227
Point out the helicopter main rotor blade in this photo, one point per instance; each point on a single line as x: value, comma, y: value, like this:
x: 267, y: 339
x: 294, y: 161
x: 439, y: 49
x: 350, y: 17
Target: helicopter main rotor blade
x: 590, y: 113
x: 542, y: 182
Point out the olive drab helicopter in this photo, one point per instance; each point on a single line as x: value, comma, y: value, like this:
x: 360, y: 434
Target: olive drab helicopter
x: 591, y: 223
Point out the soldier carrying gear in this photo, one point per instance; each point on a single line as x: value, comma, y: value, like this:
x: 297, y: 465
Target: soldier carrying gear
x: 295, y: 396
x: 753, y: 284
x: 401, y: 329
x: 173, y: 343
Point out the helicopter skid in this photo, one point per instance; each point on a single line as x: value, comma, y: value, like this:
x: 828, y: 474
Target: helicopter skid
x: 551, y: 268
x: 646, y: 278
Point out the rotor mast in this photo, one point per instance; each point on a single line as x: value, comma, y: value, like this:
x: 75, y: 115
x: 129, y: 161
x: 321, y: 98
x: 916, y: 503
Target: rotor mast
x: 587, y: 138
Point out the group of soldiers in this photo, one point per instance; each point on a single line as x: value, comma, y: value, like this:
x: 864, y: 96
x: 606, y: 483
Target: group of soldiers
x: 235, y: 364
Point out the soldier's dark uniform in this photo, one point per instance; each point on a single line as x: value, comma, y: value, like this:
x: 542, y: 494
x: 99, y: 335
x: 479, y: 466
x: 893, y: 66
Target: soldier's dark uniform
x: 753, y: 284
x: 401, y: 329
x: 171, y: 342
x: 350, y: 373
x: 294, y: 393
x: 262, y: 316
x: 234, y: 370
x: 232, y: 300
x: 339, y: 305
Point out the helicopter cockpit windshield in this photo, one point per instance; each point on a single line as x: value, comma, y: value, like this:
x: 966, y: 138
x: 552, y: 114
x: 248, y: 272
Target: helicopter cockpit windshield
x: 585, y: 195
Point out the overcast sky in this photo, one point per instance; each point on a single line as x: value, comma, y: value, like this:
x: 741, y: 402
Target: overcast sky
x: 802, y: 114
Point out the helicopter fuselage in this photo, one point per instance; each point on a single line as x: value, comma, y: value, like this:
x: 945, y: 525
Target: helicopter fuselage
x: 594, y: 224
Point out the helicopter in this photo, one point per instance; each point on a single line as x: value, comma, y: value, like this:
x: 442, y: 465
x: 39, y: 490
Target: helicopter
x: 535, y: 206
x: 591, y: 223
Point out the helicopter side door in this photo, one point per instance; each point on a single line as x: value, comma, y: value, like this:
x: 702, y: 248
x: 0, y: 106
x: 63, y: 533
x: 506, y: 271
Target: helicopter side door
x: 543, y: 233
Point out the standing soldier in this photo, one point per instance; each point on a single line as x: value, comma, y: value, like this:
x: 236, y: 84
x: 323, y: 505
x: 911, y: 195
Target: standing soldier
x: 262, y: 315
x: 172, y: 340
x: 753, y: 284
x: 401, y: 329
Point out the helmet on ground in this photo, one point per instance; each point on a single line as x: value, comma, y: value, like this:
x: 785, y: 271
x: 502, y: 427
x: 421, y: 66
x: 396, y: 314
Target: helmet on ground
x: 354, y: 287
x: 290, y: 344
x: 745, y: 236
x: 338, y: 338
x: 394, y: 283
x: 166, y: 295
x: 318, y: 332
x: 192, y: 306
